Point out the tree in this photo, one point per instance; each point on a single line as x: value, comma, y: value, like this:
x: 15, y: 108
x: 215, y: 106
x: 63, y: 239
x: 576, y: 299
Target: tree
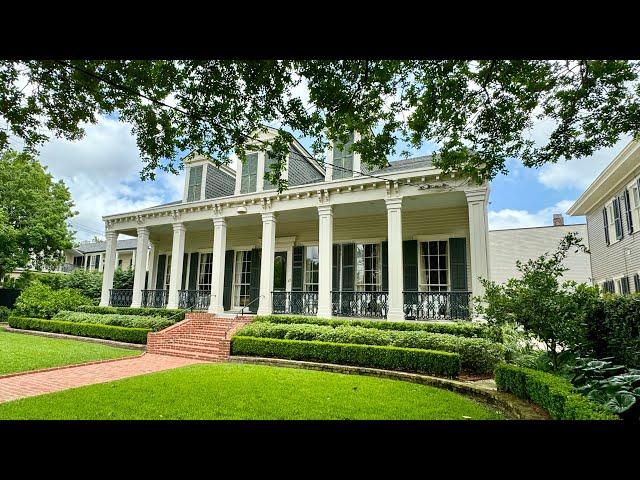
x: 479, y: 112
x: 33, y: 214
x: 553, y: 312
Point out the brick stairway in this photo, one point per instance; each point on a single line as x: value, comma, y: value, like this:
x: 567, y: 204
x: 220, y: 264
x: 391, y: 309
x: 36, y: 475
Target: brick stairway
x: 200, y: 336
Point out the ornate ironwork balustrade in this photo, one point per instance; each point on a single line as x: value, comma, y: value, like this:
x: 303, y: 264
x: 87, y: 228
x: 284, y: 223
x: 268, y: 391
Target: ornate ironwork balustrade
x: 155, y: 298
x: 195, y: 299
x: 360, y: 304
x: 120, y: 297
x: 298, y: 303
x: 437, y: 305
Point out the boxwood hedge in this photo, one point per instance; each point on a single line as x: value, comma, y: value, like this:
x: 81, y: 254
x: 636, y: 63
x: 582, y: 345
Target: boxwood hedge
x: 176, y: 314
x: 555, y: 394
x: 131, y: 321
x: 108, y: 332
x: 392, y: 358
x: 478, y: 355
x: 462, y: 329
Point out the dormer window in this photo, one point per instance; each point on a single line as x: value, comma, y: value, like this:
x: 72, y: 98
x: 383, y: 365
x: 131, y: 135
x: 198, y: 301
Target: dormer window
x: 268, y: 161
x: 343, y: 160
x: 249, y: 174
x: 194, y: 190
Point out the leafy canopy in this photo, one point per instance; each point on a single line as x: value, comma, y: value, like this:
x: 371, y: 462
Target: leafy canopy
x: 479, y: 112
x: 33, y: 214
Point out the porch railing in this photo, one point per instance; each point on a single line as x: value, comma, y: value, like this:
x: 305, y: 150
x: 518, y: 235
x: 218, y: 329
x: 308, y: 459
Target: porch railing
x: 437, y: 305
x: 120, y: 297
x: 155, y: 298
x: 298, y: 303
x: 195, y: 299
x: 360, y: 304
x: 67, y: 267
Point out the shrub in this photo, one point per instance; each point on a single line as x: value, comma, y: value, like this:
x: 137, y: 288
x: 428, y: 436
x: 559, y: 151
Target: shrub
x: 54, y: 280
x: 41, y: 301
x: 131, y: 321
x: 123, y: 278
x: 553, y: 393
x: 462, y: 329
x: 392, y: 358
x: 89, y: 283
x: 108, y: 332
x: 4, y: 313
x: 477, y: 355
x: 177, y: 314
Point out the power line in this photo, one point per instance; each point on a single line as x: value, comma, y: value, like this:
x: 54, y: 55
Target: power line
x: 130, y: 91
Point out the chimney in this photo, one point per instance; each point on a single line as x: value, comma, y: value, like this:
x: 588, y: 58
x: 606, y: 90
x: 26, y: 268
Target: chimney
x: 558, y: 221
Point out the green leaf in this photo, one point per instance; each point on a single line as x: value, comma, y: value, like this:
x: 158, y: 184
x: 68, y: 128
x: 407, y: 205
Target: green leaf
x: 621, y: 402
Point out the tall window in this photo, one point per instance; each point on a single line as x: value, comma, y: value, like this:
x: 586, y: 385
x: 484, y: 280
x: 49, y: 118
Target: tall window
x: 368, y: 275
x: 343, y: 160
x: 311, y: 266
x: 634, y: 199
x: 249, y: 174
x: 611, y: 223
x: 167, y: 275
x: 204, y: 271
x: 195, y: 184
x: 434, y: 267
x: 242, y: 279
x: 267, y: 184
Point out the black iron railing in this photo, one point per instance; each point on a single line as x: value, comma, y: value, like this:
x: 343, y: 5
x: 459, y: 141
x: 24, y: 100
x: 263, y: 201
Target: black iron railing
x: 437, y: 305
x: 298, y: 303
x: 360, y: 304
x: 67, y: 267
x: 155, y: 298
x: 120, y: 297
x: 194, y: 299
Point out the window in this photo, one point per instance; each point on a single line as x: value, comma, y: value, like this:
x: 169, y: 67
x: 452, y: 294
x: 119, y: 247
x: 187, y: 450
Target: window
x: 167, y: 275
x: 634, y: 204
x: 87, y: 262
x: 242, y: 278
x: 636, y: 282
x: 97, y: 260
x: 625, y: 289
x: 77, y: 261
x: 343, y: 161
x: 618, y: 285
x: 267, y: 185
x: 434, y: 267
x: 368, y: 275
x: 311, y: 268
x: 120, y: 263
x: 194, y: 189
x: 249, y: 177
x: 610, y: 224
x: 204, y: 271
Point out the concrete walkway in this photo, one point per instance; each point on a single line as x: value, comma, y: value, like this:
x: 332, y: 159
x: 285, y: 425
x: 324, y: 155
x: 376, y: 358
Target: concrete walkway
x: 29, y: 384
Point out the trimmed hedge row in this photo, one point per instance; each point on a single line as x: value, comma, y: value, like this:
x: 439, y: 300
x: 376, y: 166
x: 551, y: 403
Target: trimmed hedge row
x: 107, y: 332
x: 477, y: 355
x: 374, y: 356
x: 461, y: 329
x: 555, y: 394
x: 150, y: 312
x: 130, y: 321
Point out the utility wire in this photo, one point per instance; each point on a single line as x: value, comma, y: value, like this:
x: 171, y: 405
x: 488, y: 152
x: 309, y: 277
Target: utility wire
x: 160, y: 103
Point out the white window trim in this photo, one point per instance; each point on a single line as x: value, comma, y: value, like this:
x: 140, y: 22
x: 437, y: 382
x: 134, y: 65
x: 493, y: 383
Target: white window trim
x: 233, y: 279
x: 378, y: 266
x: 304, y: 270
x: 635, y: 209
x: 200, y: 253
x: 432, y: 238
x: 611, y: 222
x: 617, y: 287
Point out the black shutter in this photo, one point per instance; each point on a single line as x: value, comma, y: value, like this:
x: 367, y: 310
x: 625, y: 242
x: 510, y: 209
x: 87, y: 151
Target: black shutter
x: 617, y: 218
x: 297, y: 282
x: 254, y: 286
x: 335, y: 279
x: 97, y: 262
x: 193, y: 271
x: 348, y: 267
x: 185, y: 262
x: 625, y: 285
x: 162, y: 263
x: 385, y: 266
x: 627, y: 206
x: 458, y: 263
x: 410, y: 265
x: 606, y: 226
x: 228, y: 279
x: 636, y: 282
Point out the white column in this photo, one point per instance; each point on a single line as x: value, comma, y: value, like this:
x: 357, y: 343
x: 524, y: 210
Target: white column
x: 266, y: 268
x: 177, y: 251
x: 117, y: 258
x: 142, y: 246
x: 109, y: 267
x: 216, y: 304
x: 394, y: 238
x: 478, y: 241
x: 153, y: 258
x: 325, y: 257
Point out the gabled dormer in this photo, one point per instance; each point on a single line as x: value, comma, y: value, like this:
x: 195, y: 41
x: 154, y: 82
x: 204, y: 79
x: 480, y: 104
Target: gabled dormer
x: 300, y: 168
x: 204, y: 179
x: 343, y: 162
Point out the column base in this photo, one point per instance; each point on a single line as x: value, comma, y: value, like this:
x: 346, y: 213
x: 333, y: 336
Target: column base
x: 395, y: 316
x: 265, y: 311
x: 324, y: 312
x: 215, y: 309
x: 136, y: 304
x: 104, y: 304
x: 171, y: 306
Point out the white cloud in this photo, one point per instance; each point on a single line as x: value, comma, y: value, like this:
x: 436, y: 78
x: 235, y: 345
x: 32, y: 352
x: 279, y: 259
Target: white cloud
x: 509, y: 218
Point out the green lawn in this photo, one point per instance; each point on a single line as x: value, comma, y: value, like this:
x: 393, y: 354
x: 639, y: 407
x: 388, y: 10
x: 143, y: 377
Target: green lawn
x: 20, y: 352
x: 251, y: 392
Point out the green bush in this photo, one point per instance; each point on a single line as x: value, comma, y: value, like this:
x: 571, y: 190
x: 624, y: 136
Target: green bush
x: 477, y: 355
x: 123, y: 278
x: 177, y: 314
x: 4, y: 313
x: 108, y: 332
x: 131, y: 321
x: 462, y: 329
x: 54, y: 280
x: 89, y: 283
x: 41, y: 301
x: 553, y: 393
x: 392, y: 358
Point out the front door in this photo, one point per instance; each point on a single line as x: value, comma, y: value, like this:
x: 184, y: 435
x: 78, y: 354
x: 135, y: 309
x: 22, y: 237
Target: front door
x: 280, y: 271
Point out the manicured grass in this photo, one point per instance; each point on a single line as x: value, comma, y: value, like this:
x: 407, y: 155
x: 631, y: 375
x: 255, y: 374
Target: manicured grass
x: 251, y: 392
x: 20, y: 352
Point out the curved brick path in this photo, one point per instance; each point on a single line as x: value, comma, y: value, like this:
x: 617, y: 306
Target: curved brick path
x: 13, y: 387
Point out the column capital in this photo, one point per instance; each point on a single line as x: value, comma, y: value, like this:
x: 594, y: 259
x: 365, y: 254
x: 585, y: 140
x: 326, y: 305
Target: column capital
x: 179, y: 226
x: 475, y: 195
x: 219, y: 221
x: 268, y: 217
x: 111, y: 235
x: 142, y: 231
x: 393, y: 203
x: 325, y: 210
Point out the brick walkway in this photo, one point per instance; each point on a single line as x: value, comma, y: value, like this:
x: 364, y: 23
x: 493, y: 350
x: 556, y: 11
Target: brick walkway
x: 38, y: 383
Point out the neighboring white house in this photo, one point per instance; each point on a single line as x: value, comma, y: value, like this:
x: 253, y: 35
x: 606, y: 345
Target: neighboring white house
x: 90, y: 256
x: 401, y: 242
x: 508, y: 246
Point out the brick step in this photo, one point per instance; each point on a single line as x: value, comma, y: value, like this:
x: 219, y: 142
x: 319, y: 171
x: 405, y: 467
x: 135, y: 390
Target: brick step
x: 191, y: 343
x: 192, y: 349
x: 197, y: 356
x: 199, y: 336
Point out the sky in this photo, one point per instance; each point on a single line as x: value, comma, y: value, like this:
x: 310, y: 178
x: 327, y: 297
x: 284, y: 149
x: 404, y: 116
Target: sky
x: 102, y: 173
